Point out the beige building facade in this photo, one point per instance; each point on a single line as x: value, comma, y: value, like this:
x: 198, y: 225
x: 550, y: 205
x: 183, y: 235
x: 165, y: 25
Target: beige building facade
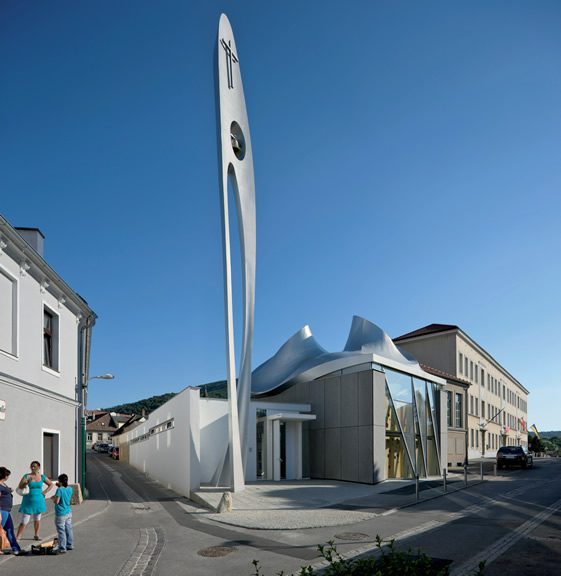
x: 456, y: 393
x: 496, y: 402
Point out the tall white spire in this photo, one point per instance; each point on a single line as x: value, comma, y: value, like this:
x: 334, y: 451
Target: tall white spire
x: 236, y: 164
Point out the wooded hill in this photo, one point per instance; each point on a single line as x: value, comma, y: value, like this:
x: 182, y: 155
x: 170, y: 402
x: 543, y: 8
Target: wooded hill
x: 148, y: 404
x: 211, y: 390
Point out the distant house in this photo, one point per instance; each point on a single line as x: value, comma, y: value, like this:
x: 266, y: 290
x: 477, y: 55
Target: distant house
x: 104, y: 426
x: 45, y: 334
x: 118, y: 437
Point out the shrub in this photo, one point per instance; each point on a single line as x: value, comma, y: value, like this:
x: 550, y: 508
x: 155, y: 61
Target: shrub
x: 388, y: 562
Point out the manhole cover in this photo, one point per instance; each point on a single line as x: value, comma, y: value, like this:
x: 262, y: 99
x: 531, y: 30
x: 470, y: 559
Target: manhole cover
x: 216, y: 551
x: 352, y: 536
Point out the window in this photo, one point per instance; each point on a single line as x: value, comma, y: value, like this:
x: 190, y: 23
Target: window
x: 459, y: 419
x: 8, y: 313
x: 476, y: 372
x: 477, y: 407
x: 482, y: 408
x: 449, y: 409
x: 471, y: 370
x: 472, y: 444
x: 471, y: 404
x: 466, y: 367
x: 476, y: 440
x: 461, y: 363
x: 99, y: 436
x: 50, y: 339
x: 90, y: 436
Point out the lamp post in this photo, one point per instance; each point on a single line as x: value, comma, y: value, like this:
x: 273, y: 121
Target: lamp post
x: 84, y: 397
x: 483, y: 429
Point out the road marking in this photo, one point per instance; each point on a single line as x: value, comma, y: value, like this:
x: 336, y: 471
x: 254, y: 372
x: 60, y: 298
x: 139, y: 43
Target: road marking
x: 373, y: 549
x: 145, y: 555
x: 502, y: 545
x: 151, y: 542
x: 474, y: 509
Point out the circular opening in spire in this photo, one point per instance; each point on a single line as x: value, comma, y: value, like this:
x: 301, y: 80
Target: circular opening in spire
x: 238, y: 140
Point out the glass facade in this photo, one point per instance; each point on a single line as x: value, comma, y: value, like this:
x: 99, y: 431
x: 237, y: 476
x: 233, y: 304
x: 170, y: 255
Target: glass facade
x: 412, y: 440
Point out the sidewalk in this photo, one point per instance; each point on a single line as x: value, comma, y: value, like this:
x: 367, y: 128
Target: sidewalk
x: 81, y: 513
x: 317, y: 503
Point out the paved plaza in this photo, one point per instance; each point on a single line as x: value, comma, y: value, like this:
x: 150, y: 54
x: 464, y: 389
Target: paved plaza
x: 132, y: 526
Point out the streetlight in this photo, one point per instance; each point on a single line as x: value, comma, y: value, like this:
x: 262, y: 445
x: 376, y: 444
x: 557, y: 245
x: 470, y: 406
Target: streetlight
x: 84, y: 397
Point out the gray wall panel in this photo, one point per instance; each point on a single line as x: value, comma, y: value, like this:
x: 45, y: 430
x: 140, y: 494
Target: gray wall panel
x: 365, y: 398
x: 317, y: 453
x: 365, y: 461
x: 317, y: 401
x: 349, y: 400
x: 379, y: 440
x: 349, y: 453
x: 333, y: 453
x: 332, y: 402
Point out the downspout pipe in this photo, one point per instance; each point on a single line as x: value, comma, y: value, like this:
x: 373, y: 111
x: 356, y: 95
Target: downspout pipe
x: 85, y: 336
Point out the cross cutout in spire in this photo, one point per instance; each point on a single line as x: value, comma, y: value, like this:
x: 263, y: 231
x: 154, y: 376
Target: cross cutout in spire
x: 230, y: 58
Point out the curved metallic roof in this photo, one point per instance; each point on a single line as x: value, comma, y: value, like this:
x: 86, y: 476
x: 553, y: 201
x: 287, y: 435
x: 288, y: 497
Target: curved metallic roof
x: 301, y: 358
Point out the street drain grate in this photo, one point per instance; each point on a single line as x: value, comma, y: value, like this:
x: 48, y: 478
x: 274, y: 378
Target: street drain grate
x: 140, y: 507
x: 216, y: 551
x: 357, y: 536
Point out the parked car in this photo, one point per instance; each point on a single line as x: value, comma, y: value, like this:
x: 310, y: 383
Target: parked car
x: 109, y: 449
x: 102, y: 447
x: 514, y: 456
x: 115, y: 453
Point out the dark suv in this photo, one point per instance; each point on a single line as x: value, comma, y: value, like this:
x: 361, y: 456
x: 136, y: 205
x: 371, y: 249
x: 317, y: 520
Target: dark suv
x: 514, y: 456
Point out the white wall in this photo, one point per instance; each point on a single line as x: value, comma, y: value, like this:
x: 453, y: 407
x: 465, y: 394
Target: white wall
x: 214, y: 436
x: 171, y: 457
x: 37, y: 399
x: 27, y: 363
x: 29, y: 414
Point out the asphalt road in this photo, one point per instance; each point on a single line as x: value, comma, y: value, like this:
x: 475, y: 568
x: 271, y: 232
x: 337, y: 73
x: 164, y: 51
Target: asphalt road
x: 134, y: 527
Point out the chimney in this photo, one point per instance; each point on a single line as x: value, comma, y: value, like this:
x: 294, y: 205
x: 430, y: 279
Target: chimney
x: 34, y: 237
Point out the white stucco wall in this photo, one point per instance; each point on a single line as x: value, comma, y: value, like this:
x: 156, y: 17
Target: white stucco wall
x: 38, y: 400
x: 21, y: 433
x: 27, y: 363
x: 170, y: 457
x: 214, y: 435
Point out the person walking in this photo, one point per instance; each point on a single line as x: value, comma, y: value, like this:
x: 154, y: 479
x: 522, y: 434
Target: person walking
x: 6, y: 502
x: 33, y: 503
x: 63, y: 515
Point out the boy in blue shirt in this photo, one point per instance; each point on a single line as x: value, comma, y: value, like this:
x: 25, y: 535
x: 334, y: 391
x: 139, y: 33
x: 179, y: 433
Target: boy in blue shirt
x: 63, y: 514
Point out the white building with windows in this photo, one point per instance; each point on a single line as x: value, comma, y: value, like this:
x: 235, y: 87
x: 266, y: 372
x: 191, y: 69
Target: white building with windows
x: 45, y: 333
x: 497, y: 403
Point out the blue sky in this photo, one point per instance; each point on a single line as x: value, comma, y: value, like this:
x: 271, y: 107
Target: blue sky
x: 407, y: 164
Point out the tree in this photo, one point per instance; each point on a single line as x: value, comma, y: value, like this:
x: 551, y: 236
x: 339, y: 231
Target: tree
x: 536, y: 445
